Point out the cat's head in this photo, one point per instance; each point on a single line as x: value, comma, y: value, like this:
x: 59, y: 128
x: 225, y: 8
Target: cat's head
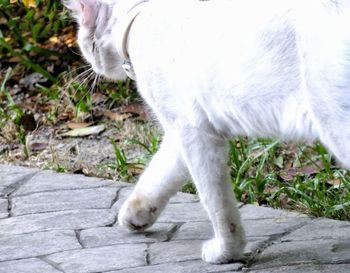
x: 96, y: 19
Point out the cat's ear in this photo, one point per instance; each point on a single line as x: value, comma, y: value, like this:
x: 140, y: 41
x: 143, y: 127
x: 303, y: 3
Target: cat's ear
x: 85, y: 11
x: 89, y: 12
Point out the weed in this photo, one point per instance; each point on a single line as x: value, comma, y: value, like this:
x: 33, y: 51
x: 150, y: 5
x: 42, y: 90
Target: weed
x: 315, y: 186
x: 11, y: 112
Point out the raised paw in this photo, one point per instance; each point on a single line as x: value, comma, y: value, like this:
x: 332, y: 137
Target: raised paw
x: 138, y: 213
x: 217, y: 252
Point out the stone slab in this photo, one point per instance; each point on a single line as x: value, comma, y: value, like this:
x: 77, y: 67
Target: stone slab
x: 303, y: 252
x: 97, y: 198
x: 194, y: 231
x: 321, y: 229
x: 36, y: 244
x: 175, y: 251
x: 2, y: 191
x: 273, y: 226
x: 307, y: 268
x: 27, y: 266
x: 196, y: 266
x: 75, y: 219
x: 3, y: 208
x: 181, y: 197
x: 253, y: 228
x: 252, y: 212
x: 101, y: 259
x: 50, y: 181
x: 183, y: 212
x: 13, y: 174
x: 104, y: 236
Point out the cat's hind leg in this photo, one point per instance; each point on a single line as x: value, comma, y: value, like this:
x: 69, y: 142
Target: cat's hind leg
x: 163, y: 177
x: 206, y: 157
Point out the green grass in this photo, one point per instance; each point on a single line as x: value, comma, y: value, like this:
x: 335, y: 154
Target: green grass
x: 258, y: 170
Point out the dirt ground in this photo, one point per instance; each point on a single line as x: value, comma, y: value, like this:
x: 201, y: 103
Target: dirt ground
x: 92, y: 155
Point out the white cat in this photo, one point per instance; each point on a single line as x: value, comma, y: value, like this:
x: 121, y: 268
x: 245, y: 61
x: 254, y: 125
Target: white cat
x: 215, y: 69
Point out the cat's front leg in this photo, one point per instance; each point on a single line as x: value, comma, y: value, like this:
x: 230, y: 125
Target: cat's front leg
x: 163, y: 177
x: 206, y: 157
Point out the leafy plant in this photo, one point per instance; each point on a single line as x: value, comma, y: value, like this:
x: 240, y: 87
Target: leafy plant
x: 28, y: 30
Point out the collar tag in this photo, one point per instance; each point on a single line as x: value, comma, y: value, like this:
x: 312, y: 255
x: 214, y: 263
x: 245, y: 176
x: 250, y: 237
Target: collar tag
x: 129, y: 70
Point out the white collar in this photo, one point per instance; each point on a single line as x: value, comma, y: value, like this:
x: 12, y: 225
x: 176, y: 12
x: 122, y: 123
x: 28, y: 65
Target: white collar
x: 123, y: 30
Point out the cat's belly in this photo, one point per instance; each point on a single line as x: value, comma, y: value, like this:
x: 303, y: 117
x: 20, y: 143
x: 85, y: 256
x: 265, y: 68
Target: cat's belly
x: 286, y: 119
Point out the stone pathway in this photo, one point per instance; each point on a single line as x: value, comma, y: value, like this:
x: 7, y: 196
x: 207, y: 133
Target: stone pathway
x: 51, y: 223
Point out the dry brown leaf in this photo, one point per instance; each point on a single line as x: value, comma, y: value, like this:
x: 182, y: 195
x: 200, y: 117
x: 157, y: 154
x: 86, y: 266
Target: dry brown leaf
x: 334, y: 182
x: 38, y: 146
x: 136, y: 108
x: 115, y: 116
x: 29, y: 3
x: 76, y: 125
x: 290, y: 174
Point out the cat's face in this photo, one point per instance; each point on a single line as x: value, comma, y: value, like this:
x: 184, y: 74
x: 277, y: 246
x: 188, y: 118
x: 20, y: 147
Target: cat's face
x: 95, y: 36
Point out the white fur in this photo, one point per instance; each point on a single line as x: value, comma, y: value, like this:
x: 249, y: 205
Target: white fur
x: 215, y: 69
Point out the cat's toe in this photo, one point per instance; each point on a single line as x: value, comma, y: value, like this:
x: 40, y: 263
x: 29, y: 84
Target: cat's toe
x: 137, y: 213
x: 216, y: 252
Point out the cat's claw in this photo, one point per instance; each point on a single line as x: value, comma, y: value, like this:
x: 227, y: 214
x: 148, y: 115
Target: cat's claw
x: 216, y: 252
x: 137, y: 213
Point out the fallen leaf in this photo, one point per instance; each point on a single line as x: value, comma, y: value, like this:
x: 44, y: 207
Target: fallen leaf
x: 334, y: 182
x: 54, y: 39
x: 38, y: 146
x: 78, y: 132
x: 30, y: 80
x: 290, y: 174
x: 29, y: 3
x: 77, y: 125
x: 116, y: 116
x: 136, y: 108
x: 312, y: 168
x: 136, y: 169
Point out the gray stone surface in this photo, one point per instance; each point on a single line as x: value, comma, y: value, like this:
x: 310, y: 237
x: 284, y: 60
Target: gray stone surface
x: 307, y: 268
x: 67, y: 223
x: 48, y: 181
x: 195, y: 266
x: 103, y: 236
x: 101, y: 259
x: 3, y: 208
x: 13, y: 174
x: 98, y: 198
x: 252, y: 212
x: 36, y: 244
x: 75, y: 219
x: 273, y: 226
x: 177, y: 213
x: 27, y: 266
x: 321, y: 229
x: 303, y: 252
x: 175, y: 251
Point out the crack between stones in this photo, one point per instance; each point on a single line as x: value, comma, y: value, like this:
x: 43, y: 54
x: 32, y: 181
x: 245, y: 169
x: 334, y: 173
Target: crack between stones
x: 148, y: 254
x: 9, y: 190
x: 290, y: 264
x: 9, y: 207
x: 51, y: 263
x: 270, y: 241
x: 170, y: 234
x: 71, y: 189
x: 115, y: 199
x: 58, y: 210
x: 77, y: 236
